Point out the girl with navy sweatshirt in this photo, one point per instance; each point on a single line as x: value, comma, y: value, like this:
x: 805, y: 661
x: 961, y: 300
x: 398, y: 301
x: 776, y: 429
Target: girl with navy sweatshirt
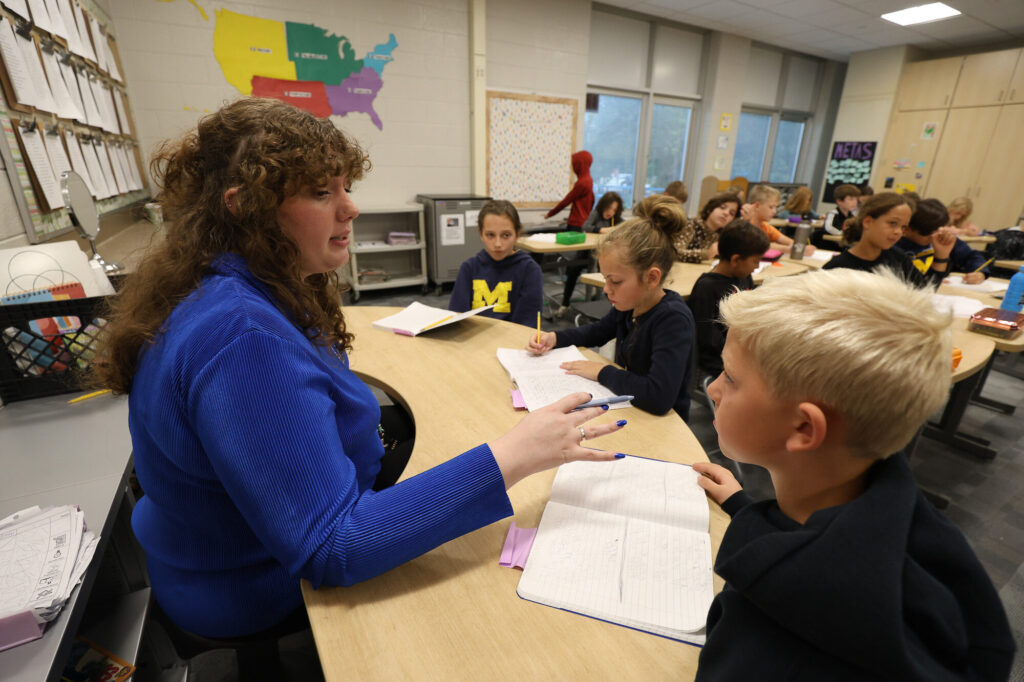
x: 499, y: 275
x: 653, y: 326
x: 256, y: 445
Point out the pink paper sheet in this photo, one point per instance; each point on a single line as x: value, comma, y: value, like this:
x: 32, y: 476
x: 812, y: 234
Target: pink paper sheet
x: 518, y: 544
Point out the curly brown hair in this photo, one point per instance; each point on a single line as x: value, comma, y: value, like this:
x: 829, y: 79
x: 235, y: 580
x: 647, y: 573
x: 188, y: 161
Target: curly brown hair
x: 269, y: 150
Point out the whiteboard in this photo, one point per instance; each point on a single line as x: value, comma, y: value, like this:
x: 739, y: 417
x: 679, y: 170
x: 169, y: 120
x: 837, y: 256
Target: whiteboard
x: 530, y: 140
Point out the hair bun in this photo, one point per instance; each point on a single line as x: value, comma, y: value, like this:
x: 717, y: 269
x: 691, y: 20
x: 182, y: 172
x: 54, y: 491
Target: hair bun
x: 665, y: 213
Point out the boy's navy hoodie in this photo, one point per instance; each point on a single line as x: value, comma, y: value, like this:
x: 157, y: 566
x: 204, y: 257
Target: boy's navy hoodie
x: 961, y: 259
x: 514, y: 283
x: 883, y: 587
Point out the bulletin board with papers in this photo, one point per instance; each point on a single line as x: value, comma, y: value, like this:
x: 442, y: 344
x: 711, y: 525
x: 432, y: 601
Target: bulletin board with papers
x: 65, y: 107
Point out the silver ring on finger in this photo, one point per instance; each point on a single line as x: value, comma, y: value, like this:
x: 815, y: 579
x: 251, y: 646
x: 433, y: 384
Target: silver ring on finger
x: 583, y: 434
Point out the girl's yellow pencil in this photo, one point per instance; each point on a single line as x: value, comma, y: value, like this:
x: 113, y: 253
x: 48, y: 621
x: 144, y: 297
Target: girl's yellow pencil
x: 538, y: 326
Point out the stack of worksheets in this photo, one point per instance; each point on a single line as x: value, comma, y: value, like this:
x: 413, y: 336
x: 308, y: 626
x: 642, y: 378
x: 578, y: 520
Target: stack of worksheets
x: 43, y: 554
x: 542, y: 381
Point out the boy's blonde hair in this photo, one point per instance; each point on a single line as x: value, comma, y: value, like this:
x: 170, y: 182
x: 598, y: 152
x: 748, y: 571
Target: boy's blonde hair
x: 761, y: 194
x: 868, y: 345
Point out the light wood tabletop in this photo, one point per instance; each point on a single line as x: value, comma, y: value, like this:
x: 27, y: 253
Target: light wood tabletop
x: 976, y: 349
x: 592, y: 242
x: 683, y: 276
x: 977, y: 242
x: 1009, y: 264
x: 453, y: 613
x: 1014, y: 345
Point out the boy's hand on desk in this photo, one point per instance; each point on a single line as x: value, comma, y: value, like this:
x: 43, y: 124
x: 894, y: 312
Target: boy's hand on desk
x: 717, y: 481
x: 547, y: 342
x: 974, y: 278
x: 550, y: 437
x: 588, y: 369
x: 809, y: 249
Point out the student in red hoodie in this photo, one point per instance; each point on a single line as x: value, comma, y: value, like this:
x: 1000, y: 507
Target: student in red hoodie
x: 581, y: 196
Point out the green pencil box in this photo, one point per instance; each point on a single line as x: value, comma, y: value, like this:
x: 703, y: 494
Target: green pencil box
x: 570, y: 237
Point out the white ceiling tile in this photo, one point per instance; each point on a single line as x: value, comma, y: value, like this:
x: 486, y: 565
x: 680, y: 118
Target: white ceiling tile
x: 799, y: 9
x: 726, y: 11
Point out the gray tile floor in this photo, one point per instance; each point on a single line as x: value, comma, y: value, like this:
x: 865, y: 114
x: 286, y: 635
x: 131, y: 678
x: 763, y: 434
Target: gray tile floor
x: 985, y: 497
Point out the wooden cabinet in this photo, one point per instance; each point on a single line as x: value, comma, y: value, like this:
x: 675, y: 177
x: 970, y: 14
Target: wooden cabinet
x: 909, y: 150
x: 928, y: 84
x: 1016, y: 94
x: 985, y: 78
x: 962, y: 147
x: 999, y: 193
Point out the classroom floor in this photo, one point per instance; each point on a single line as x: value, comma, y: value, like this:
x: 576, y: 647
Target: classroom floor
x: 985, y: 499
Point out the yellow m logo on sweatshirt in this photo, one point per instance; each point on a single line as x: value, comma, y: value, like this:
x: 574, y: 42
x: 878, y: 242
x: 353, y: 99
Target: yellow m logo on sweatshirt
x: 483, y: 296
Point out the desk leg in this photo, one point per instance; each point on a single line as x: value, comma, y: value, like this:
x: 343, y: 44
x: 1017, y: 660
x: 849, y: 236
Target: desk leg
x: 946, y: 431
x: 979, y: 399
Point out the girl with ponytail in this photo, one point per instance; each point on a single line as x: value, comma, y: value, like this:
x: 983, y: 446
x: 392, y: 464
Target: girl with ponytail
x: 653, y: 327
x: 875, y: 230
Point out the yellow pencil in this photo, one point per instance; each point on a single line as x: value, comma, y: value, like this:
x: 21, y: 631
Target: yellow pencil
x: 983, y: 265
x: 538, y: 327
x: 434, y: 324
x: 89, y: 395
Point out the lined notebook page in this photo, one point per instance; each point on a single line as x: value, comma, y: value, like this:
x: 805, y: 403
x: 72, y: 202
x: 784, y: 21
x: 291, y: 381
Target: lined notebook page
x: 629, y: 546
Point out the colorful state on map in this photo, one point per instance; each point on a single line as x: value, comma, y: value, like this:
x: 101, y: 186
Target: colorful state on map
x: 308, y: 95
x: 301, y: 64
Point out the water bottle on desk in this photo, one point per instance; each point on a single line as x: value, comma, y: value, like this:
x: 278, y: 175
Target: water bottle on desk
x: 800, y: 239
x: 1014, y: 296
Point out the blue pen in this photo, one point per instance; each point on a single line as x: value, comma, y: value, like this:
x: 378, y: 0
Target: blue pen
x: 598, y: 402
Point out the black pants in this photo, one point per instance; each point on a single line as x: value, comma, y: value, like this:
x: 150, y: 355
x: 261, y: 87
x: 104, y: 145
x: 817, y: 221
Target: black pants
x: 399, y: 435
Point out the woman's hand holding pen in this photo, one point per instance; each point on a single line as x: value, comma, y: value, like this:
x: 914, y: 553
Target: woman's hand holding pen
x: 550, y: 437
x: 546, y: 343
x: 588, y: 369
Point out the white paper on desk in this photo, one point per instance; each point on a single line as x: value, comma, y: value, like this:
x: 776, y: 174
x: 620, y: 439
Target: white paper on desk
x: 542, y: 237
x: 40, y: 17
x: 64, y: 104
x: 516, y: 360
x: 78, y: 163
x: 35, y: 150
x: 986, y: 286
x: 823, y: 255
x: 26, y: 268
x: 14, y: 60
x: 67, y: 14
x: 540, y: 389
x: 416, y: 318
x: 627, y: 543
x: 960, y: 306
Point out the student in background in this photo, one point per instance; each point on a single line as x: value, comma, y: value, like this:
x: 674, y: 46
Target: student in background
x: 799, y: 204
x: 677, y: 190
x: 850, y: 573
x: 257, y: 446
x: 696, y: 242
x: 581, y: 197
x: 764, y: 202
x: 846, y: 197
x: 865, y: 192
x: 929, y: 218
x: 876, y: 229
x: 960, y: 210
x: 740, y: 248
x: 653, y: 327
x: 607, y: 213
x: 498, y: 273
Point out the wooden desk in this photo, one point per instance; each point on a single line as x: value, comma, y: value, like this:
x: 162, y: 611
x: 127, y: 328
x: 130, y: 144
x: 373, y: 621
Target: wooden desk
x: 978, y: 242
x: 1009, y: 264
x: 833, y: 238
x: 783, y: 222
x: 55, y: 454
x: 592, y: 242
x: 453, y: 613
x: 683, y: 276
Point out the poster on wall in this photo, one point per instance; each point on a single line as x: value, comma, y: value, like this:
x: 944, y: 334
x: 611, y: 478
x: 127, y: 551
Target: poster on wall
x: 850, y: 164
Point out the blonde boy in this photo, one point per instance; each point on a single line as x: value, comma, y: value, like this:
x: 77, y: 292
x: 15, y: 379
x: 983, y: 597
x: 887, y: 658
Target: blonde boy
x: 850, y: 573
x: 764, y: 204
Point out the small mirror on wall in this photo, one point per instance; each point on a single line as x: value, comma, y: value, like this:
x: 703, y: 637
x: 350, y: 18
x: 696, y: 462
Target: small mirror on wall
x: 82, y: 209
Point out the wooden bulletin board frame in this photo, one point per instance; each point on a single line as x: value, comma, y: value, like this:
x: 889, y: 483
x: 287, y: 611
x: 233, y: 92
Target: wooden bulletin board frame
x: 530, y: 139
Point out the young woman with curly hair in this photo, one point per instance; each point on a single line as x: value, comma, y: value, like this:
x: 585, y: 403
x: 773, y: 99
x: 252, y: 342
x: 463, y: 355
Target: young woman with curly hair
x: 256, y: 446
